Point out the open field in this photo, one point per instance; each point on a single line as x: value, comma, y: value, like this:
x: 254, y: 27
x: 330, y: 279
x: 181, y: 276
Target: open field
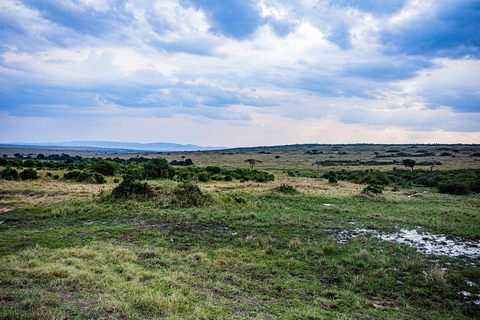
x: 298, y: 247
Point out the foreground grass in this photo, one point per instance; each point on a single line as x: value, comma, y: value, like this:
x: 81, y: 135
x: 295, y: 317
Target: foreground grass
x: 250, y: 253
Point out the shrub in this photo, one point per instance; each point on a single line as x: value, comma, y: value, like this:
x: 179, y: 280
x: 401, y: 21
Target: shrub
x: 158, y: 168
x: 56, y: 177
x: 203, y: 176
x: 454, y: 187
x: 29, y: 174
x: 85, y: 175
x: 287, y: 189
x: 3, y: 162
x: 9, y: 174
x: 188, y: 195
x: 129, y: 188
x: 373, y: 188
x: 72, y: 174
x: 99, y: 178
x: 104, y: 167
x: 332, y: 179
x: 185, y: 175
x: 213, y: 169
x: 29, y: 163
x: 134, y: 171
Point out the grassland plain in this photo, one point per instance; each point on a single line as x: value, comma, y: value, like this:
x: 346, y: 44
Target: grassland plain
x: 253, y: 250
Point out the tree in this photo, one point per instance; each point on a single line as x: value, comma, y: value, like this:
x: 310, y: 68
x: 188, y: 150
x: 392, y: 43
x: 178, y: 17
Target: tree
x: 317, y: 163
x: 409, y: 163
x: 252, y: 162
x: 40, y: 156
x: 277, y: 157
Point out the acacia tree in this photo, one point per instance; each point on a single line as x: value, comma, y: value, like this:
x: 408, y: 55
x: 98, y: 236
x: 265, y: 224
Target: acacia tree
x: 253, y: 162
x: 409, y: 163
x: 277, y: 157
x: 317, y: 163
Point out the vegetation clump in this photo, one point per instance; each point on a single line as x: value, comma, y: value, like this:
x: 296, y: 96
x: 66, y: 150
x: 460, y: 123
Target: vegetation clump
x: 373, y: 188
x: 9, y: 174
x: 454, y: 187
x: 158, y: 168
x: 188, y: 194
x: 29, y: 174
x: 286, y: 189
x: 131, y: 188
x: 85, y: 176
x: 104, y: 167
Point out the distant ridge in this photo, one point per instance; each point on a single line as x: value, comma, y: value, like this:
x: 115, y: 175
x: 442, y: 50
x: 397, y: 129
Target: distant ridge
x: 155, y: 146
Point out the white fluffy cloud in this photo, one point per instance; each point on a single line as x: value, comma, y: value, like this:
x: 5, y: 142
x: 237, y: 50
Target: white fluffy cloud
x: 256, y: 72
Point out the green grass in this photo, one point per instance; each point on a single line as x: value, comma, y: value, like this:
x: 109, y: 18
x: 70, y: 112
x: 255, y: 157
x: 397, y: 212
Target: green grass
x: 248, y: 253
x: 245, y: 251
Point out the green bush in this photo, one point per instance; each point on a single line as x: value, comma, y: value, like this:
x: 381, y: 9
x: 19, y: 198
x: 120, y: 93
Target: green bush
x: 99, y: 178
x: 29, y: 163
x: 9, y: 174
x: 287, y: 189
x: 158, y: 168
x: 454, y: 187
x: 130, y: 188
x: 188, y: 195
x: 104, y: 167
x: 72, y: 174
x: 203, y: 176
x: 29, y: 174
x: 213, y: 169
x: 373, y: 188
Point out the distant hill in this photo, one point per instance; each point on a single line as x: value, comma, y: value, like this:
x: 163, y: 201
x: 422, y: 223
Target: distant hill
x: 134, y: 146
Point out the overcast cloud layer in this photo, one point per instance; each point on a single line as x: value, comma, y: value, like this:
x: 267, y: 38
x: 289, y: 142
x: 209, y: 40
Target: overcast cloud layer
x: 240, y: 72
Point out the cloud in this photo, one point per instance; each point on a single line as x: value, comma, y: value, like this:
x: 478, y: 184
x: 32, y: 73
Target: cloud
x: 85, y: 17
x: 448, y: 28
x: 368, y: 65
x: 235, y: 18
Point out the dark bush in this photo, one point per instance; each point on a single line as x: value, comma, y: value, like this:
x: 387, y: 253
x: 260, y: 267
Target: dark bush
x: 29, y: 174
x: 213, y: 169
x: 72, y: 174
x: 104, y: 167
x: 158, y: 168
x: 188, y: 195
x: 130, y: 188
x: 85, y: 176
x: 9, y: 174
x: 454, y: 187
x: 29, y: 163
x: 134, y: 171
x: 373, y: 188
x: 3, y: 162
x: 185, y: 175
x: 203, y: 176
x: 287, y: 189
x: 332, y: 179
x: 99, y: 178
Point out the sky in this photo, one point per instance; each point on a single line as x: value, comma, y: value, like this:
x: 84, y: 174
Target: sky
x: 240, y: 72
